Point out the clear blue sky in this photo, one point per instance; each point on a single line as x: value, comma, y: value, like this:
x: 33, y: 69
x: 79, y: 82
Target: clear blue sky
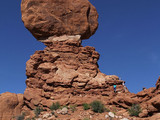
x: 128, y: 40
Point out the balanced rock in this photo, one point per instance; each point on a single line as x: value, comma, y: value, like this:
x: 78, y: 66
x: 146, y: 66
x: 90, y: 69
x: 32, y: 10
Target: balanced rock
x: 45, y: 18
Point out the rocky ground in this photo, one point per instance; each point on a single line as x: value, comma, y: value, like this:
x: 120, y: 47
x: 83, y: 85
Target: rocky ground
x: 74, y: 112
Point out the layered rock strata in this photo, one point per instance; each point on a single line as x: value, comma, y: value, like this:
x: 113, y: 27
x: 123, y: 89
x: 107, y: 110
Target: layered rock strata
x: 45, y: 18
x: 148, y: 99
x: 63, y: 70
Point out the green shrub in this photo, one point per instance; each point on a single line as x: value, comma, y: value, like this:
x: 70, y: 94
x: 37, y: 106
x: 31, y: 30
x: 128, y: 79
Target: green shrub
x: 134, y: 110
x: 73, y: 107
x: 20, y: 117
x: 106, y: 110
x: 64, y: 106
x: 55, y: 106
x: 97, y: 106
x: 33, y: 118
x: 86, y: 119
x: 86, y: 106
x: 37, y: 111
x: 28, y: 119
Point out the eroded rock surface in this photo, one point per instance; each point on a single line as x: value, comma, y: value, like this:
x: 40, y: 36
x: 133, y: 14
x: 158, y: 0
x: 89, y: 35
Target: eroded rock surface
x: 66, y: 72
x: 148, y: 99
x: 45, y: 18
x: 10, y: 105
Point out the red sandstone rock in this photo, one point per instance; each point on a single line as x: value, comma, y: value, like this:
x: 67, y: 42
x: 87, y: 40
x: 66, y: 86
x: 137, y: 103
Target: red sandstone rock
x: 45, y: 18
x: 66, y: 72
x: 10, y: 105
x: 149, y: 100
x: 124, y: 100
x: 158, y: 83
x: 155, y: 101
x: 63, y: 72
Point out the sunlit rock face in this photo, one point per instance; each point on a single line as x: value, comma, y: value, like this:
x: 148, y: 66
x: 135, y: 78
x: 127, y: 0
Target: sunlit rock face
x: 10, y: 105
x: 65, y: 70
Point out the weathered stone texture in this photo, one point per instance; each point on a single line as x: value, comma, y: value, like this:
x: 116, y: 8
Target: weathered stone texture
x: 65, y: 68
x: 45, y: 18
x: 10, y: 105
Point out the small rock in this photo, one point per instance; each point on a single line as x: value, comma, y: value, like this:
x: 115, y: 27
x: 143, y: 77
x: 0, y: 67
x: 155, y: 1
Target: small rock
x: 111, y: 114
x: 120, y: 117
x: 52, y: 98
x: 125, y: 119
x: 39, y: 119
x: 51, y: 118
x: 116, y: 116
x: 47, y: 115
x: 125, y: 114
x: 106, y: 116
x: 91, y: 113
x: 64, y: 111
x: 58, y: 111
x: 144, y: 113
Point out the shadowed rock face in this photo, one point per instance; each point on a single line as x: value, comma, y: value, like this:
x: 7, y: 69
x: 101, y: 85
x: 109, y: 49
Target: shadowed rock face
x: 45, y: 18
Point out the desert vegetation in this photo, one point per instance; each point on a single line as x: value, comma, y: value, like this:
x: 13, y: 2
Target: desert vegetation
x: 135, y: 110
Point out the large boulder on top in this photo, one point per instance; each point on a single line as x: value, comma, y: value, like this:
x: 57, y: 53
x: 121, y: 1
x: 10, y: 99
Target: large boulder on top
x: 45, y: 18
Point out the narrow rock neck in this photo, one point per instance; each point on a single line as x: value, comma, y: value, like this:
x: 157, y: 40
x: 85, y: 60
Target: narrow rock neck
x: 63, y: 40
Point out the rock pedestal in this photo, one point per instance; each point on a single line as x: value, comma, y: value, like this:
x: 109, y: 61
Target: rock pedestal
x: 63, y: 71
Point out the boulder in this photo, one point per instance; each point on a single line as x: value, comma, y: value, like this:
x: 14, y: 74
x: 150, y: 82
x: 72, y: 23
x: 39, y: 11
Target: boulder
x: 47, y: 115
x: 111, y: 114
x: 63, y: 111
x: 106, y: 116
x: 46, y: 18
x: 10, y: 105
